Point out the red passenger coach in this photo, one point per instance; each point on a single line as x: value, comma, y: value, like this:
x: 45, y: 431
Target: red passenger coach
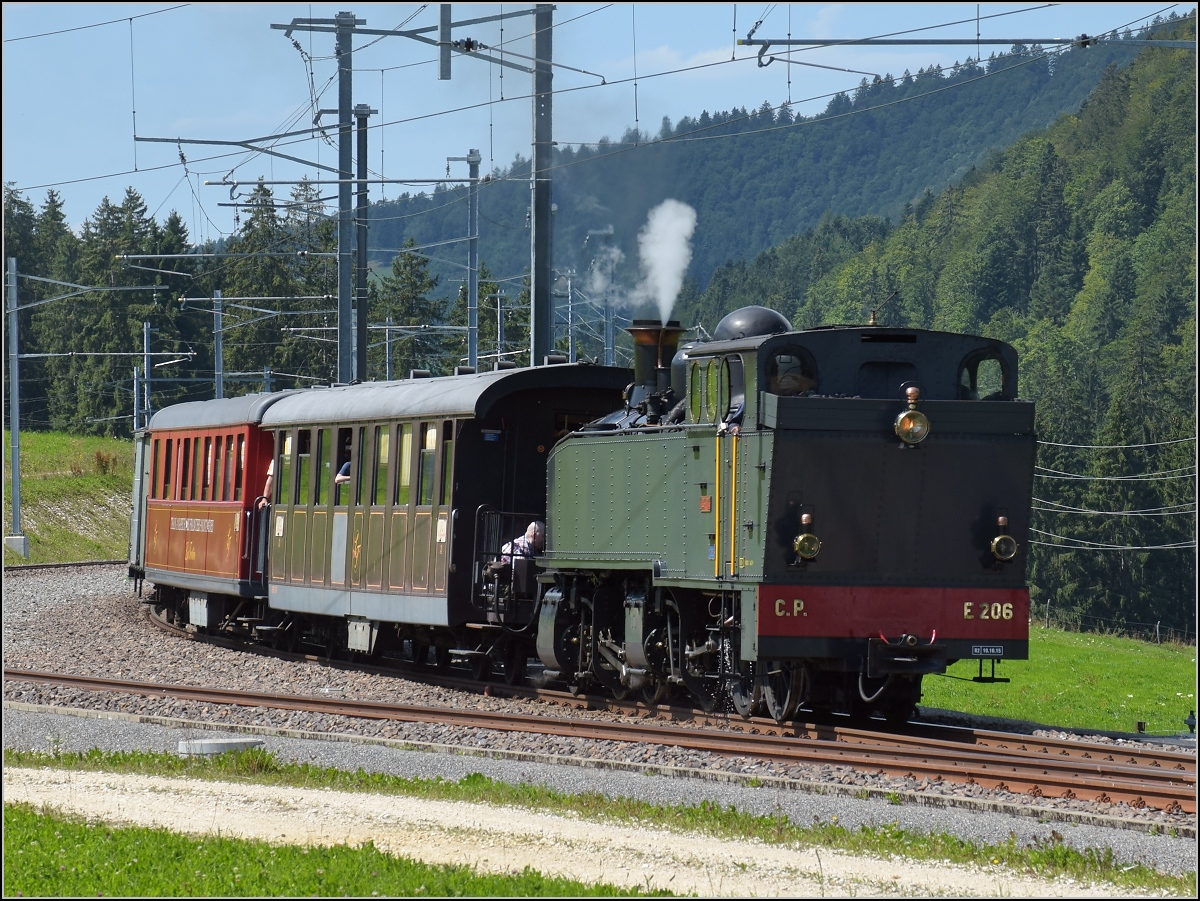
x: 203, y: 468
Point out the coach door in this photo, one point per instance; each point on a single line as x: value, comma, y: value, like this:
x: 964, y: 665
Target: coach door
x: 343, y: 493
x: 431, y: 516
x: 370, y: 507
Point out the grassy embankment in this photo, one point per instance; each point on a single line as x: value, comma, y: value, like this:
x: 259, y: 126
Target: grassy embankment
x: 75, y: 497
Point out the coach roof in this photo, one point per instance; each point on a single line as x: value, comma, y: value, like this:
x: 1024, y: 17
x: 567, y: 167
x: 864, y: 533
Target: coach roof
x: 460, y: 395
x: 205, y: 414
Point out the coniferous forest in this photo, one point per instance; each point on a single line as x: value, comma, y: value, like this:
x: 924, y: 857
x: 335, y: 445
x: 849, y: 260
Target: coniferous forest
x: 1053, y: 207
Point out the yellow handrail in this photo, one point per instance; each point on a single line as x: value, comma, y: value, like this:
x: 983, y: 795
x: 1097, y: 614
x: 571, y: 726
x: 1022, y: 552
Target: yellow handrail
x: 717, y: 509
x: 733, y: 509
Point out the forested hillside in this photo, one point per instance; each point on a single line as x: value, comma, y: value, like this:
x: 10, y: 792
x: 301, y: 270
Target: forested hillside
x: 757, y: 176
x: 1077, y: 243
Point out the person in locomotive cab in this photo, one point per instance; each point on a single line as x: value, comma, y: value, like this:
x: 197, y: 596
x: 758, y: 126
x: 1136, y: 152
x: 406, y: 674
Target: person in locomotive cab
x: 733, y: 422
x: 528, y: 545
x: 524, y: 548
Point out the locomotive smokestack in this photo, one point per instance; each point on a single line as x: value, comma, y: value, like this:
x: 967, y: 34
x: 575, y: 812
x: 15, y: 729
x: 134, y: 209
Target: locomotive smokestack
x: 654, y: 346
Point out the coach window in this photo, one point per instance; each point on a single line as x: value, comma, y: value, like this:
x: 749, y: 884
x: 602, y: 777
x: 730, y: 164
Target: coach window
x: 284, y: 467
x: 155, y: 461
x: 185, y: 454
x: 165, y: 490
x: 379, y: 488
x: 197, y: 466
x: 218, y: 473
x: 403, y: 465
x: 201, y: 462
x: 227, y: 493
x: 425, y: 466
x: 303, y: 465
x: 345, y: 439
x: 447, y: 462
x: 168, y: 469
x: 363, y: 462
x: 210, y: 469
x: 321, y: 465
x: 241, y: 467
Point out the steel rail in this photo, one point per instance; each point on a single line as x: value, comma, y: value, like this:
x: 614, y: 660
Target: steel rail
x: 960, y: 754
x: 1139, y: 787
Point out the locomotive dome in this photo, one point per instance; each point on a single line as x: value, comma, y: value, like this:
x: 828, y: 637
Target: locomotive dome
x: 749, y: 322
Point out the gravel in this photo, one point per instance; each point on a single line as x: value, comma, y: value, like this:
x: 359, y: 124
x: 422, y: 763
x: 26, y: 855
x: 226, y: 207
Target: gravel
x: 87, y: 620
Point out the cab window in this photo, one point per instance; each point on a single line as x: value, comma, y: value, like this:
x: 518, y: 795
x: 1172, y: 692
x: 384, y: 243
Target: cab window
x: 791, y: 370
x: 711, y: 388
x: 696, y: 392
x: 981, y: 376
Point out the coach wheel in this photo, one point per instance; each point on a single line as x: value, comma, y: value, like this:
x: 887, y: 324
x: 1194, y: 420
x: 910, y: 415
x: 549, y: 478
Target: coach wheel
x: 745, y: 691
x: 481, y: 667
x: 329, y: 645
x: 515, y: 661
x: 285, y: 639
x: 441, y: 658
x: 420, y: 652
x: 783, y: 686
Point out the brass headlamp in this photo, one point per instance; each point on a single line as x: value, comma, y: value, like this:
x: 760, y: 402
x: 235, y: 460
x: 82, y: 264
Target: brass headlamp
x: 1004, y: 546
x: 912, y: 426
x: 807, y: 545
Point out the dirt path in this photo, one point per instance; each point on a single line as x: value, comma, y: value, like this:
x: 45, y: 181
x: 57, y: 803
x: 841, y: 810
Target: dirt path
x: 505, y: 839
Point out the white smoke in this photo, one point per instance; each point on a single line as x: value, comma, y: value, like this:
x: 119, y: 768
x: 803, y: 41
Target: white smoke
x: 665, y: 249
x: 600, y: 275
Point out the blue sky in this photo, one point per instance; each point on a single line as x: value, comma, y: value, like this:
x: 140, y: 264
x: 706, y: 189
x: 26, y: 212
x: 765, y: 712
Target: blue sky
x: 80, y: 80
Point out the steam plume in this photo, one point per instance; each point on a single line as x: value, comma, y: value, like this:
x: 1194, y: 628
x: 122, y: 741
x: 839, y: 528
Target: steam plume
x: 665, y: 248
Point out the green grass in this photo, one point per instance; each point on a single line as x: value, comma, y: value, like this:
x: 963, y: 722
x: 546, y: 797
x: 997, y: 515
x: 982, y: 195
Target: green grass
x: 75, y: 497
x: 52, y: 855
x: 1080, y: 680
x: 110, y: 853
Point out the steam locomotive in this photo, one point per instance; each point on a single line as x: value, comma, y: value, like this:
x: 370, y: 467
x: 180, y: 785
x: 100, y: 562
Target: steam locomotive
x: 773, y: 520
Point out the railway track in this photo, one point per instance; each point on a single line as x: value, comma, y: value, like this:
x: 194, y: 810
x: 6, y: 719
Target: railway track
x: 1005, y: 761
x: 1163, y: 780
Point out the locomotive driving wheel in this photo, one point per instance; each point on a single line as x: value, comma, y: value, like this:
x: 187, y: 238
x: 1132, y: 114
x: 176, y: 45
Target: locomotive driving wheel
x: 745, y: 690
x: 783, y: 688
x: 654, y: 691
x: 573, y: 649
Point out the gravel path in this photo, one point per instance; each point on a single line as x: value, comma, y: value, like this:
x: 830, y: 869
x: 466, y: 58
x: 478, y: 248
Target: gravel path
x: 86, y: 620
